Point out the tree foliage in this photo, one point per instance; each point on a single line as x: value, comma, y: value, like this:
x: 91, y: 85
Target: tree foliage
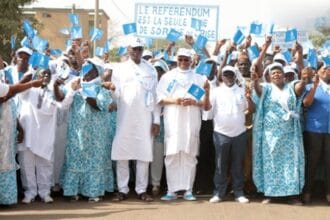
x: 322, y: 27
x: 10, y: 24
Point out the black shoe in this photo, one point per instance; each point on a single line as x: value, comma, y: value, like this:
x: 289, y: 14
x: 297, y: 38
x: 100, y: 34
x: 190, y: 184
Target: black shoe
x: 120, y: 197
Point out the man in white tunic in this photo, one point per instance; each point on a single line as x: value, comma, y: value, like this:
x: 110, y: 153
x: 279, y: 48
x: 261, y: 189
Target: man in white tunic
x: 38, y: 119
x: 137, y: 119
x: 182, y: 122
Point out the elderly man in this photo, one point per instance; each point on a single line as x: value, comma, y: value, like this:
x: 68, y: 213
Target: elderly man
x: 182, y: 121
x: 137, y: 119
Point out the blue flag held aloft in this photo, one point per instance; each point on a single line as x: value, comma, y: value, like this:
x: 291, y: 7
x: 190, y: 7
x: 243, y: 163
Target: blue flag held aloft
x: 122, y: 51
x: 90, y: 90
x: 26, y: 42
x: 196, y: 24
x: 28, y: 29
x: 287, y: 56
x: 39, y: 44
x: 65, y: 31
x: 86, y: 67
x: 55, y: 52
x: 196, y: 91
x: 201, y: 41
x: 291, y: 35
x: 12, y: 42
x: 99, y: 51
x: 253, y: 52
x: 74, y: 19
x: 129, y: 28
x: 238, y: 37
x: 326, y: 61
x: 148, y: 41
x: 173, y: 35
x: 76, y: 32
x: 39, y: 60
x: 312, y: 58
x: 326, y: 45
x: 270, y: 29
x: 255, y: 28
x: 95, y: 34
x: 107, y: 45
x: 204, y: 69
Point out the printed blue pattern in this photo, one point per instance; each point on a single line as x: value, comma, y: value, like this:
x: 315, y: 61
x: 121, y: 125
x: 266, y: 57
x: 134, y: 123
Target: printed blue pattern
x: 87, y: 168
x: 278, y: 154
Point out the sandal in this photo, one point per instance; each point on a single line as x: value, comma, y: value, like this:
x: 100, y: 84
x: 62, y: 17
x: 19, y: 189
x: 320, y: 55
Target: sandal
x: 120, y: 197
x: 145, y: 197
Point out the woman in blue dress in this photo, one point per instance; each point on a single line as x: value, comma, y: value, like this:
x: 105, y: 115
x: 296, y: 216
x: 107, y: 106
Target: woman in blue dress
x: 87, y: 168
x: 278, y: 153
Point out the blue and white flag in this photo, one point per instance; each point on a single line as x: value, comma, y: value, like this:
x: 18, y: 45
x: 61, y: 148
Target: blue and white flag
x: 99, y: 51
x: 291, y: 35
x: 129, y: 28
x: 26, y: 42
x: 39, y: 44
x: 204, y: 69
x: 107, y: 45
x: 28, y: 29
x: 74, y: 19
x: 122, y: 51
x: 148, y: 41
x: 90, y: 90
x: 39, y: 60
x: 312, y: 58
x: 12, y: 42
x: 269, y: 30
x: 326, y: 61
x: 68, y: 43
x: 255, y: 28
x: 196, y: 91
x: 9, y: 76
x: 201, y: 41
x: 253, y: 52
x: 95, y: 34
x: 65, y: 31
x: 196, y: 24
x: 238, y: 37
x: 173, y: 35
x: 326, y: 45
x: 76, y: 32
x: 55, y: 52
x: 86, y: 67
x: 287, y: 56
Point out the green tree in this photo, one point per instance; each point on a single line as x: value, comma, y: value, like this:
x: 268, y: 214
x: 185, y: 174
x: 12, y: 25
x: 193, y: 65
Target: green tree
x: 10, y: 24
x: 322, y: 27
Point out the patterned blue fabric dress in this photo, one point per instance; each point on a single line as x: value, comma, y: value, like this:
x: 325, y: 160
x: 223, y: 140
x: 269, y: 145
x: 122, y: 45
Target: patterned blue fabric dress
x: 87, y: 169
x: 278, y: 154
x: 8, y: 183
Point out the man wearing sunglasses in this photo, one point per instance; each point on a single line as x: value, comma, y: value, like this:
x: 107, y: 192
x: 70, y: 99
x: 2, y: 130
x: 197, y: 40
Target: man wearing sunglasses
x: 137, y: 119
x: 182, y: 121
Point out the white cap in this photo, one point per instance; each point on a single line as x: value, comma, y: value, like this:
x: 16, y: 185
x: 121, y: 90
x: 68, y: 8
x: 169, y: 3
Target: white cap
x: 24, y: 50
x: 135, y: 42
x: 162, y: 64
x: 289, y: 69
x: 183, y: 52
x: 99, y: 64
x: 279, y: 57
x: 147, y: 53
x: 275, y: 65
x: 212, y: 59
x: 229, y: 68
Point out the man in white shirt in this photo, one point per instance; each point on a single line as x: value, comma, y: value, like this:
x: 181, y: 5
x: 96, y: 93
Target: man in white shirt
x: 182, y: 121
x: 228, y: 106
x: 137, y: 119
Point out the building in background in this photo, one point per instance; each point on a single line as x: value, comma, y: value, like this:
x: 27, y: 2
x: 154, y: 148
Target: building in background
x: 52, y: 20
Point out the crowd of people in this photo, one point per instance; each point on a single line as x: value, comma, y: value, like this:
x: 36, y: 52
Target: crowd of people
x: 86, y: 126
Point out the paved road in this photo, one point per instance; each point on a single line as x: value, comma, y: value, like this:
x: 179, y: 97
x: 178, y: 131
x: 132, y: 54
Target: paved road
x: 134, y: 209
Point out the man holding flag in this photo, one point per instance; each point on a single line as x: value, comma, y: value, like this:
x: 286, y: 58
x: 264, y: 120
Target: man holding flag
x: 183, y: 93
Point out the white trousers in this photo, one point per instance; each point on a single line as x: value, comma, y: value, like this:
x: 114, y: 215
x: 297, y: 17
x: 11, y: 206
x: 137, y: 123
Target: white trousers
x: 141, y: 179
x: 180, y: 171
x: 36, y: 174
x: 156, y: 166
